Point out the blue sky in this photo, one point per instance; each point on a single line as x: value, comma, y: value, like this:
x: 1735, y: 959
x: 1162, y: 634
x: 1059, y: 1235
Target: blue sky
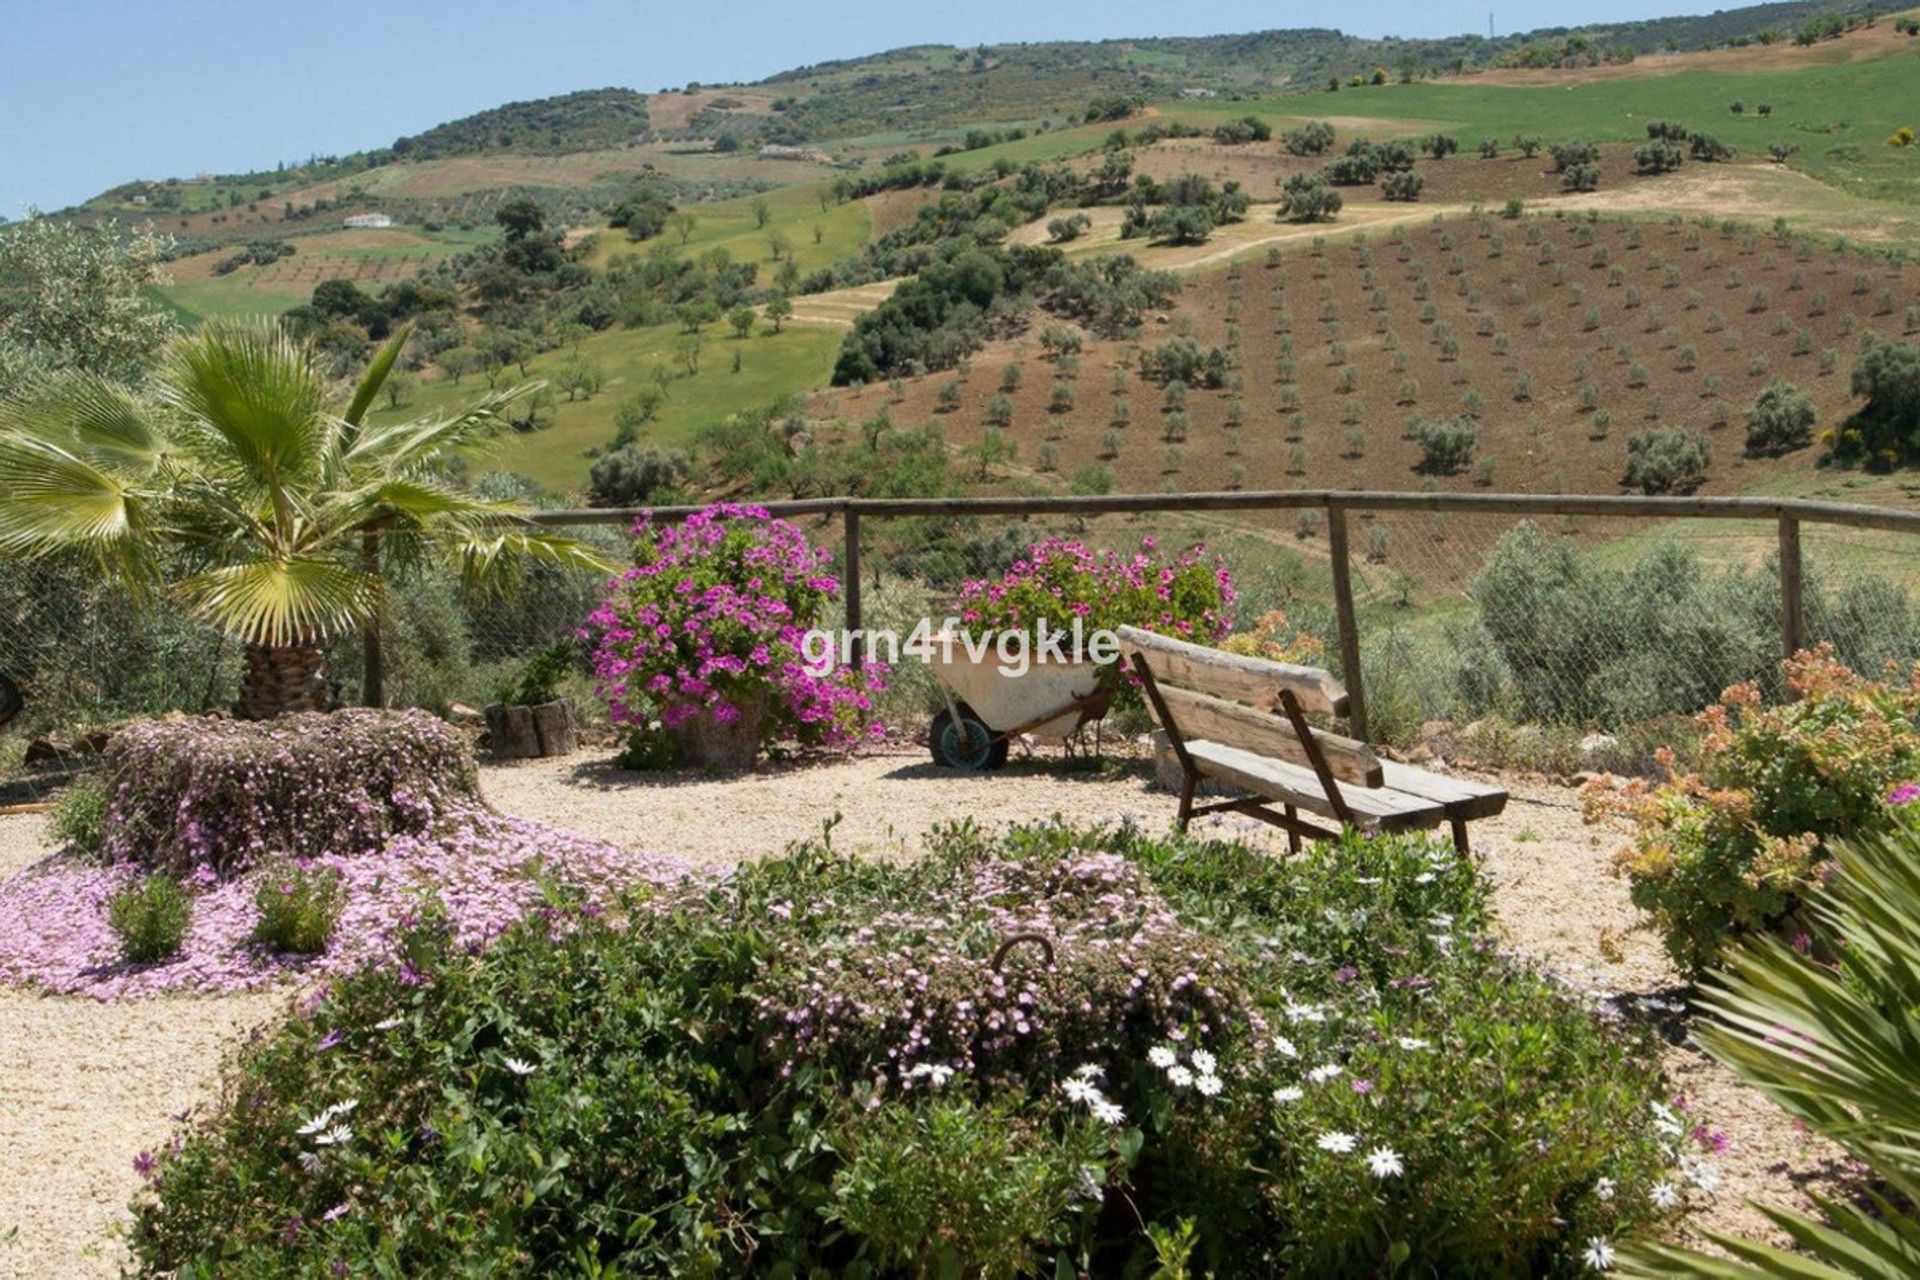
x: 96, y: 92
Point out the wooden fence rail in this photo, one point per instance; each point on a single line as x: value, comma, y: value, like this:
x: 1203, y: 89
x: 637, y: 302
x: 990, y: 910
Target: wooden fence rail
x: 1787, y: 514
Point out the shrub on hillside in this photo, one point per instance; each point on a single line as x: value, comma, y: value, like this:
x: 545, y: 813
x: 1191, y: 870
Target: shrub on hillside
x: 1446, y: 444
x: 187, y: 793
x: 79, y: 816
x: 1403, y: 184
x: 1780, y: 421
x: 1738, y: 845
x: 1657, y: 157
x: 1186, y: 361
x: 1036, y: 1052
x: 1307, y: 197
x: 1666, y: 460
x: 1315, y: 138
x: 1886, y: 430
x: 633, y: 476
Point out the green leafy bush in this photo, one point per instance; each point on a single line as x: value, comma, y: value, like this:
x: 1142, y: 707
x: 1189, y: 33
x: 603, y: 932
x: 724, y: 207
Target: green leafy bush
x: 79, y: 817
x: 1057, y: 1050
x: 299, y: 904
x: 1780, y: 421
x: 1667, y: 460
x: 1738, y: 846
x: 150, y: 916
x: 1446, y: 444
x: 540, y: 679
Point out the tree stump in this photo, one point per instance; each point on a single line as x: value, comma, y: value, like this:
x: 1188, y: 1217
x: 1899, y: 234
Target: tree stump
x: 513, y: 734
x: 553, y: 724
x: 523, y: 733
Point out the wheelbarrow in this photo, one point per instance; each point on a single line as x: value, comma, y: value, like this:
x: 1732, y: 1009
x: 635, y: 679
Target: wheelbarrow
x: 986, y: 708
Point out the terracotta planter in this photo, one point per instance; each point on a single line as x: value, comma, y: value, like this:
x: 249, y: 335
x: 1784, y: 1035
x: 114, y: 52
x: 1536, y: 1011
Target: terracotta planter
x: 707, y: 743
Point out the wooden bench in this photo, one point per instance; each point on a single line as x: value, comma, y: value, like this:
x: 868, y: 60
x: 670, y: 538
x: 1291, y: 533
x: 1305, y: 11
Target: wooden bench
x: 1242, y: 722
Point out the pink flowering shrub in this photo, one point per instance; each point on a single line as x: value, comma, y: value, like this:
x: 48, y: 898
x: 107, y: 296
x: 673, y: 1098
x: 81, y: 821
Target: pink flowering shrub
x: 189, y: 793
x: 1061, y: 580
x: 1741, y: 844
x: 712, y: 617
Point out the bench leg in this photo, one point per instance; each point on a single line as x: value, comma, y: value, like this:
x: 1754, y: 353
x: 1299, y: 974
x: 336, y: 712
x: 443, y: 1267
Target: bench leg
x: 1293, y: 836
x: 1186, y: 803
x: 1460, y: 838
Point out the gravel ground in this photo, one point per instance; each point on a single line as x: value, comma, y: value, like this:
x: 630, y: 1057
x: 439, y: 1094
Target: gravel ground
x: 83, y: 1086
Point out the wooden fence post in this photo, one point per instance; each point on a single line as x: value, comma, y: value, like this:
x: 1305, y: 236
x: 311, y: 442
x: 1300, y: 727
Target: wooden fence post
x: 1792, y: 615
x: 850, y: 582
x: 1349, y: 625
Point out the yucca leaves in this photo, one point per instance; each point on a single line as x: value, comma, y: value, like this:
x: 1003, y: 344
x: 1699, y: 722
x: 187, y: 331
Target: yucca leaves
x: 239, y: 460
x: 1840, y: 1050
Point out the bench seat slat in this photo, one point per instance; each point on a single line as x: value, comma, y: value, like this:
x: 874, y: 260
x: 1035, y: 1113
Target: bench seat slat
x: 1254, y: 681
x: 1263, y: 733
x: 1463, y: 800
x: 1374, y: 808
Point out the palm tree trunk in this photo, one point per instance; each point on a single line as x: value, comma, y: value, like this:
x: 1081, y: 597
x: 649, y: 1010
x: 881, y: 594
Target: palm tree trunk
x: 282, y: 679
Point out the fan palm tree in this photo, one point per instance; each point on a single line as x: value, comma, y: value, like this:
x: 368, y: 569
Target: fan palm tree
x: 239, y: 489
x: 1841, y: 1051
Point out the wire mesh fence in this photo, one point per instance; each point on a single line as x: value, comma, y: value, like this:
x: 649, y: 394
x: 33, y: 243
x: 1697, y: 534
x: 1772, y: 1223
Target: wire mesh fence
x: 1590, y: 620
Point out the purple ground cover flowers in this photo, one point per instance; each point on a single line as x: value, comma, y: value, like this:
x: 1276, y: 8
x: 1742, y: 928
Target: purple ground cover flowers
x: 387, y: 802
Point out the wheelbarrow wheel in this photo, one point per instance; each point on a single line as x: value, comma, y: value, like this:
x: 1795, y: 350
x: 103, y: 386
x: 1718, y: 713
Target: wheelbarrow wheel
x: 965, y: 742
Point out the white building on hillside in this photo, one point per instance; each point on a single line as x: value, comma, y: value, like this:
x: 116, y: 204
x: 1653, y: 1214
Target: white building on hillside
x: 359, y: 220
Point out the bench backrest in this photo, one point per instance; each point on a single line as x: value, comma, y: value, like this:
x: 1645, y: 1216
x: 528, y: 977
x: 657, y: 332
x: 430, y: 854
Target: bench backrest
x: 1236, y: 701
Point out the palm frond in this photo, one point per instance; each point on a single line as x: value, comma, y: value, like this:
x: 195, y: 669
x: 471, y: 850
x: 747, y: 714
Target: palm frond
x: 97, y: 421
x: 374, y: 378
x: 406, y: 445
x: 495, y: 561
x: 293, y: 600
x: 51, y: 501
x: 253, y: 403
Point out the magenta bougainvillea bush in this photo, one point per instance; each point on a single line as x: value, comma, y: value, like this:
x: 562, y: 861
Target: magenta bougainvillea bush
x: 188, y: 793
x: 712, y: 618
x: 1059, y: 580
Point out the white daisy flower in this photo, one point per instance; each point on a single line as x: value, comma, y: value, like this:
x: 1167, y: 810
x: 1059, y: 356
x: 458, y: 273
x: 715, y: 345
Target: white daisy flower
x: 1664, y: 1195
x: 1384, y: 1162
x: 1288, y: 1093
x: 1412, y: 1043
x: 1604, y: 1188
x: 1338, y: 1143
x: 1180, y: 1076
x: 1108, y: 1112
x: 1203, y: 1062
x: 1081, y: 1091
x: 1208, y: 1085
x: 521, y: 1067
x: 1162, y: 1056
x: 1320, y: 1075
x: 338, y: 1136
x: 311, y: 1162
x: 1700, y: 1173
x: 1285, y: 1047
x: 1090, y: 1071
x: 1599, y: 1254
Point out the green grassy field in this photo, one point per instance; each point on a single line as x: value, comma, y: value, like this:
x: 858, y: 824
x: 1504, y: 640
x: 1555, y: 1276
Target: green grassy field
x: 1839, y: 114
x: 772, y: 366
x: 251, y: 292
x: 794, y: 212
